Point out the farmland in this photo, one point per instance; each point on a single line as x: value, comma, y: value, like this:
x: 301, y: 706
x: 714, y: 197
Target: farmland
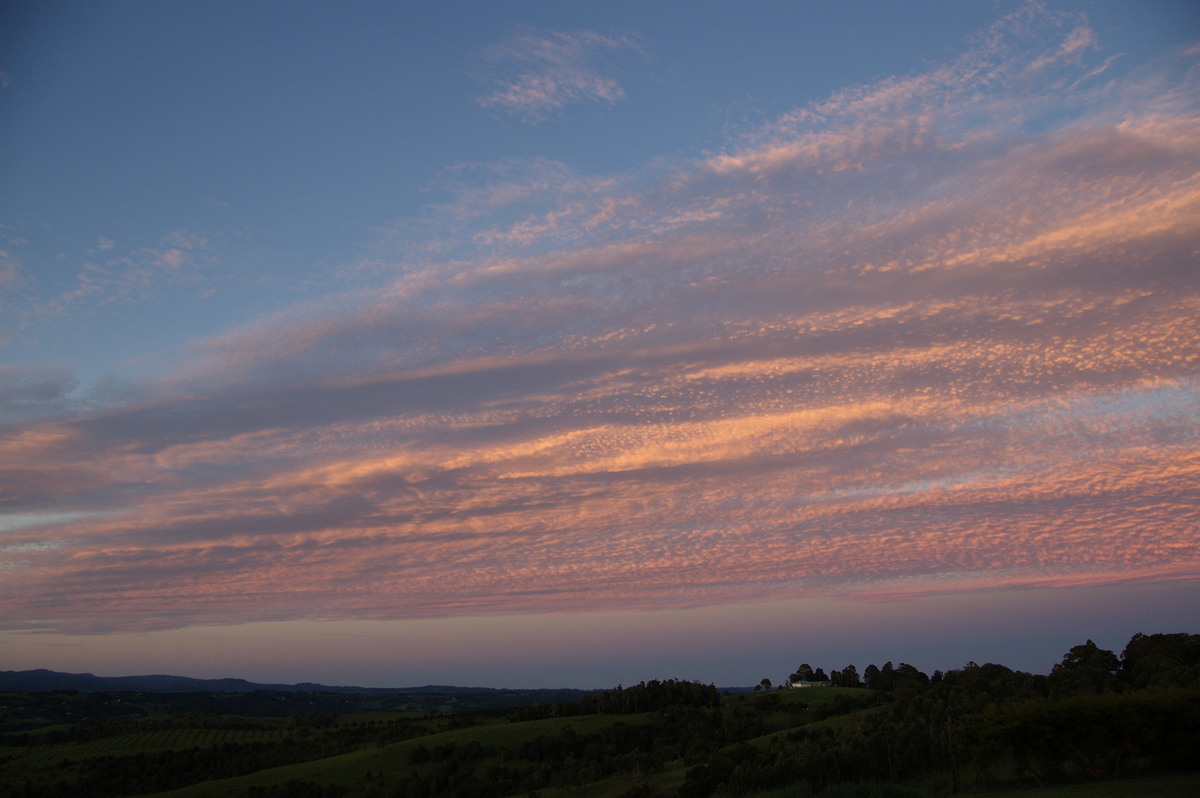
x: 1095, y: 727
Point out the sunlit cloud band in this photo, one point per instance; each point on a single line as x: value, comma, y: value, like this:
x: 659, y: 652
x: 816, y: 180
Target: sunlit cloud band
x: 937, y: 333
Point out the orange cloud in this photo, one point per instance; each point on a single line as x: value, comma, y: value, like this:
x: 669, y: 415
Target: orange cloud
x: 866, y: 354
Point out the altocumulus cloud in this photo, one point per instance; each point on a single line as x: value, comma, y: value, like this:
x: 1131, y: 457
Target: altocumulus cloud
x: 933, y: 334
x: 536, y: 73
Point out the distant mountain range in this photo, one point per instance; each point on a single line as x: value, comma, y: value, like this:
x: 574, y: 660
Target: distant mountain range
x: 45, y: 680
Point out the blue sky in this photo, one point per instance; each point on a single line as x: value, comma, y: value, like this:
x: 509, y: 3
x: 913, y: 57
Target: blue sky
x: 579, y: 316
x: 283, y: 147
x: 286, y: 141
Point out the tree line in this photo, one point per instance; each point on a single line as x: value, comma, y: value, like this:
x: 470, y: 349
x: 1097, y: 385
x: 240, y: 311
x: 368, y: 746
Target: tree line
x: 1159, y: 660
x: 1096, y: 715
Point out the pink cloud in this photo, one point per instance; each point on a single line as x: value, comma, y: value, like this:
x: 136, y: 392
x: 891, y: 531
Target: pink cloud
x: 534, y: 74
x: 896, y: 343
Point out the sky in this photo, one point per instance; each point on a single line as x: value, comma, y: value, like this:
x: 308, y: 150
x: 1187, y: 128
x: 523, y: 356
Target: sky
x: 544, y: 344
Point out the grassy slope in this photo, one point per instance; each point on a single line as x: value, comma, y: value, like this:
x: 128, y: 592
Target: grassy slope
x: 157, y: 740
x: 1181, y: 785
x: 394, y: 759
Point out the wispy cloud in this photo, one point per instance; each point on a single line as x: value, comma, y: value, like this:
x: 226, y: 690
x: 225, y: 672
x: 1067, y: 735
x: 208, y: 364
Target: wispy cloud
x: 935, y: 333
x: 10, y: 268
x: 536, y: 73
x: 28, y: 390
x: 108, y: 275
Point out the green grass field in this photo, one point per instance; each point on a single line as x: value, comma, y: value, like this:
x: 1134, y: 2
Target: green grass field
x: 587, y: 755
x: 158, y: 740
x: 394, y: 759
x: 1183, y: 785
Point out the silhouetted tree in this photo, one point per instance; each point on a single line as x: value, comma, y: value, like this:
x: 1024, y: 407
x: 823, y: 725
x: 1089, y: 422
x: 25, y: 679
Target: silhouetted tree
x: 1161, y: 660
x: 803, y: 674
x: 1086, y: 670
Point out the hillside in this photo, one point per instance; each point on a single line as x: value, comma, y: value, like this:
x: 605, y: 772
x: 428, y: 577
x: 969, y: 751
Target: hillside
x: 44, y: 680
x: 1089, y: 727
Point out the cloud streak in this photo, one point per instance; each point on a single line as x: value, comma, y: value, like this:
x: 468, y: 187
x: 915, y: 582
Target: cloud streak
x: 933, y: 334
x: 106, y: 277
x: 534, y: 74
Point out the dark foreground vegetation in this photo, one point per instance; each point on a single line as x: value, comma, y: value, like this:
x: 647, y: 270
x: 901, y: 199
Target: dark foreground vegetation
x: 894, y: 732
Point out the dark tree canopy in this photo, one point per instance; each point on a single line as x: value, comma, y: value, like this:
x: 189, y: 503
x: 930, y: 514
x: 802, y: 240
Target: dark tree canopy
x: 1086, y: 669
x: 802, y: 674
x: 1162, y: 660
